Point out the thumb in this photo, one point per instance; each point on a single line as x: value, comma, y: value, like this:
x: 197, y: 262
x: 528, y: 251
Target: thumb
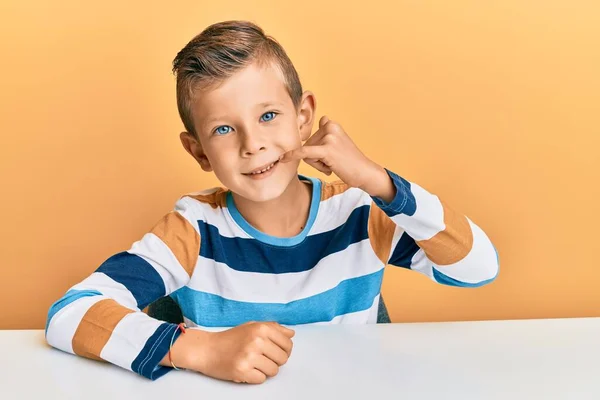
x: 323, y: 121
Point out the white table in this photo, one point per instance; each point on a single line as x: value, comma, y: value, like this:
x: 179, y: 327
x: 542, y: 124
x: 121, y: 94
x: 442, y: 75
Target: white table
x: 529, y: 359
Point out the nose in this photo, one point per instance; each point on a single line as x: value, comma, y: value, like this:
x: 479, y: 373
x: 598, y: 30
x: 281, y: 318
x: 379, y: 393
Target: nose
x: 252, y: 143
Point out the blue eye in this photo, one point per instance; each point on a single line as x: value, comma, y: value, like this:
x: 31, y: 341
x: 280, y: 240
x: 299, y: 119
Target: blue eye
x: 268, y: 116
x: 223, y: 130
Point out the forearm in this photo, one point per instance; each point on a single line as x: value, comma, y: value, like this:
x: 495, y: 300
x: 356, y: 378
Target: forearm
x: 445, y: 244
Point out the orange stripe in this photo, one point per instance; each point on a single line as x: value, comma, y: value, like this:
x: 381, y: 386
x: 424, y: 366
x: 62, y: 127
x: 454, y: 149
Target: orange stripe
x: 381, y: 233
x: 96, y: 327
x: 181, y: 237
x: 331, y: 189
x: 453, y: 243
x: 216, y: 199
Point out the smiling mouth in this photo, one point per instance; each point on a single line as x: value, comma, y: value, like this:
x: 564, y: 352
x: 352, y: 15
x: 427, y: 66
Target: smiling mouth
x: 263, y: 169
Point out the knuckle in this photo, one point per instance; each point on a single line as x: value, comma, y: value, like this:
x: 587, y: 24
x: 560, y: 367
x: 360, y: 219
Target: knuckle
x: 262, y: 329
x: 241, y: 366
x: 258, y: 341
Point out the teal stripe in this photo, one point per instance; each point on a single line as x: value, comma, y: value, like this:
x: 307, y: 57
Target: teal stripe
x: 210, y: 310
x: 446, y: 280
x: 67, y: 299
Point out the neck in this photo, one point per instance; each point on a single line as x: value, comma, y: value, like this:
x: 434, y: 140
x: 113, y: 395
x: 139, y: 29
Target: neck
x: 287, y: 213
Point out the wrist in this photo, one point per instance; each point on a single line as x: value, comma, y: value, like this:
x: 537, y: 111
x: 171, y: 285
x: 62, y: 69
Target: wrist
x: 380, y: 185
x: 189, y: 351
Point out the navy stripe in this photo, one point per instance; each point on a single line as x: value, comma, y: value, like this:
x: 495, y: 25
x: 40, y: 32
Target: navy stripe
x: 403, y: 203
x: 137, y: 275
x: 446, y: 280
x: 404, y: 251
x: 251, y: 255
x: 67, y: 299
x: 210, y: 310
x: 155, y: 349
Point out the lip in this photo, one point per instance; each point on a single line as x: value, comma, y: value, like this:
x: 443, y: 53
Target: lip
x: 274, y: 163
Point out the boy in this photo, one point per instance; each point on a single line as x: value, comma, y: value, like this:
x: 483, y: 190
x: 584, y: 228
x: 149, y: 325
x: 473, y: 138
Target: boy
x: 275, y: 247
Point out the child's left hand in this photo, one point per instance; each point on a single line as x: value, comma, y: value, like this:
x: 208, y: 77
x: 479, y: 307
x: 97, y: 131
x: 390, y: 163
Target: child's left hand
x: 330, y: 149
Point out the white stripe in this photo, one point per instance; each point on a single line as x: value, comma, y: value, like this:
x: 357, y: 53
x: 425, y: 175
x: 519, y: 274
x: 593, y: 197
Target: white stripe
x: 335, y: 211
x: 479, y: 265
x: 128, y: 339
x: 428, y: 219
x: 64, y: 323
x: 217, y: 278
x: 217, y: 217
x: 161, y: 258
x: 226, y: 225
x: 108, y: 287
x: 221, y: 219
x: 205, y: 192
x: 420, y: 263
x: 192, y: 210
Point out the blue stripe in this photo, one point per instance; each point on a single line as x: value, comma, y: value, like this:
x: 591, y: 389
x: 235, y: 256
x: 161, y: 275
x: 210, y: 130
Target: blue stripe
x: 209, y: 310
x: 137, y: 275
x: 155, y: 349
x: 67, y: 299
x: 446, y: 280
x: 251, y: 255
x: 403, y: 203
x: 273, y: 240
x: 404, y: 251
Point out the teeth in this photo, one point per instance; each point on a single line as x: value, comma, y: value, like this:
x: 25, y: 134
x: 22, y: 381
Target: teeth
x: 263, y: 170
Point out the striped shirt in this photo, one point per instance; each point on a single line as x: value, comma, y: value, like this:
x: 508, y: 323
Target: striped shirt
x: 223, y: 272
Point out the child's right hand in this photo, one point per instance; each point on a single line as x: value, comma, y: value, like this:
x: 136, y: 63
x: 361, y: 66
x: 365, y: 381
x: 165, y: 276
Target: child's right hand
x: 247, y: 353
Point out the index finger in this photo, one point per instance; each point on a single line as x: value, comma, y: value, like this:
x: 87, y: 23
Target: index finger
x: 282, y: 338
x: 300, y: 153
x: 286, y: 331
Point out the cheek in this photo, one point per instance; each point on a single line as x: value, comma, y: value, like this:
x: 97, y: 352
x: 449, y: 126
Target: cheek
x: 221, y: 159
x: 292, y: 138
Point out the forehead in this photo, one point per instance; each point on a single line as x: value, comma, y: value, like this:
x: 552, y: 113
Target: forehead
x: 248, y: 88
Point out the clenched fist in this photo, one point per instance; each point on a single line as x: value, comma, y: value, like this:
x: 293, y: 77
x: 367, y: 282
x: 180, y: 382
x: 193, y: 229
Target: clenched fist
x: 247, y: 353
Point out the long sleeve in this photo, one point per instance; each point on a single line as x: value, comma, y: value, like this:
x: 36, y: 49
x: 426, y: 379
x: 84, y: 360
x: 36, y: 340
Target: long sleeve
x: 101, y: 318
x: 417, y: 230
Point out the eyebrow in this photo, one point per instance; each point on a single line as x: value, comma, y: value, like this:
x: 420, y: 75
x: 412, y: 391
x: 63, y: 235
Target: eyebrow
x: 269, y: 104
x: 263, y: 105
x: 212, y: 120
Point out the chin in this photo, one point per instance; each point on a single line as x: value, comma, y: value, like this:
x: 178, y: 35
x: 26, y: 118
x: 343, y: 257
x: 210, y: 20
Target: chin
x: 261, y: 191
x: 261, y: 194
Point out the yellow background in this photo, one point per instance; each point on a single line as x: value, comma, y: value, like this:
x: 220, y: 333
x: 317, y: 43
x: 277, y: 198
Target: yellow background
x: 494, y: 106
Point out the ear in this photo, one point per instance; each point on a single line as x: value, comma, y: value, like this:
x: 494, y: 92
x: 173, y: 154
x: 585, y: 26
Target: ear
x: 306, y: 114
x: 194, y: 148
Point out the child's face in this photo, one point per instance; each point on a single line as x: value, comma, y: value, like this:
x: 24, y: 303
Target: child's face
x: 245, y: 125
